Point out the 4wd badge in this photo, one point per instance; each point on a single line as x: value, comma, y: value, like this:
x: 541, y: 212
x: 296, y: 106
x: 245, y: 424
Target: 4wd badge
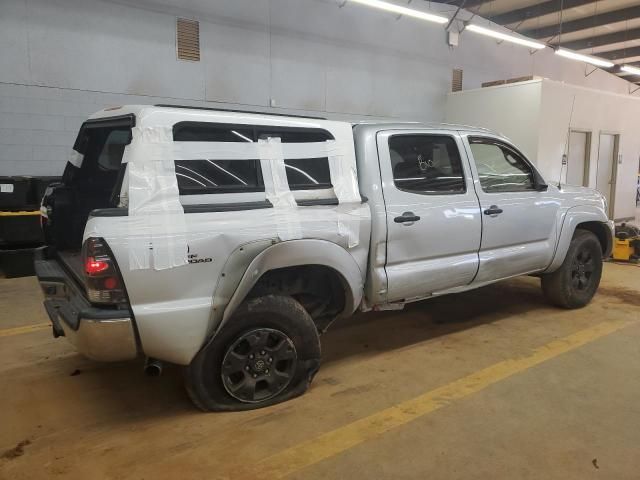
x: 193, y: 258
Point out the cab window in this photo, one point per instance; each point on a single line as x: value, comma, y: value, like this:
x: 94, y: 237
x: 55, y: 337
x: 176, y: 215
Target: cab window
x: 426, y: 164
x: 500, y: 168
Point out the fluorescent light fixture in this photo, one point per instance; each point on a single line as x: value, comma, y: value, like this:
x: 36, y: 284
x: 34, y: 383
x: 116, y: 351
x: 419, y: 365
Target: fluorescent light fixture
x: 598, y: 62
x: 630, y: 69
x: 504, y: 36
x: 409, y: 12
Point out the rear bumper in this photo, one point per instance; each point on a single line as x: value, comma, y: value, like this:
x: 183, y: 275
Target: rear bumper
x: 98, y: 333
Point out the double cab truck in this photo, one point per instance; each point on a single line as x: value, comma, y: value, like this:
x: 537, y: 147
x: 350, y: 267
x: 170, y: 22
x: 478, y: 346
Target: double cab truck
x: 227, y: 241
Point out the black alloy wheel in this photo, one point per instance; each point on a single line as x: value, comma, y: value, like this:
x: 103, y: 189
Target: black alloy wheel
x: 267, y: 353
x: 582, y: 269
x: 575, y: 282
x: 258, y: 365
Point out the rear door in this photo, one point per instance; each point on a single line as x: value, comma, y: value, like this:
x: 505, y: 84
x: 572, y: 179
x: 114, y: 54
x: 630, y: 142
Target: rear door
x: 432, y: 212
x: 519, y: 212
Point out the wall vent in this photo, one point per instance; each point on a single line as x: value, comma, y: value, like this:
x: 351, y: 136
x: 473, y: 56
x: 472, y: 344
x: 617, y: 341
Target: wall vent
x: 509, y: 80
x: 188, y: 39
x: 456, y: 80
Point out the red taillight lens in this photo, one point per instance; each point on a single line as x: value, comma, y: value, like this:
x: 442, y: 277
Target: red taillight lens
x: 93, y: 266
x: 102, y: 277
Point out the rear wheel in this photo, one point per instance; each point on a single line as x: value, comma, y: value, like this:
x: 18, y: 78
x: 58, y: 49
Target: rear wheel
x: 575, y: 283
x: 268, y: 352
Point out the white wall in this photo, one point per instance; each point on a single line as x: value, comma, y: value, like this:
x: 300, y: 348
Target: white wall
x: 535, y: 116
x: 60, y: 60
x: 596, y: 112
x: 512, y: 110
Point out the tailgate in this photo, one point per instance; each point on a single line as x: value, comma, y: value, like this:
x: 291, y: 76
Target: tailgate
x: 71, y: 261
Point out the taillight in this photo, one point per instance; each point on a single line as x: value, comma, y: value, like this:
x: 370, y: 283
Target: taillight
x: 93, y: 266
x: 103, y: 281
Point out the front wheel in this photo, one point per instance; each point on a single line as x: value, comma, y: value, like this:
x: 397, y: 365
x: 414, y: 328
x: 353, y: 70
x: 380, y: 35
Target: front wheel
x: 575, y: 283
x: 268, y: 352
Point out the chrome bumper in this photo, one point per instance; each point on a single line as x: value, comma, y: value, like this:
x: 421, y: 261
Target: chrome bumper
x: 102, y: 334
x: 103, y: 340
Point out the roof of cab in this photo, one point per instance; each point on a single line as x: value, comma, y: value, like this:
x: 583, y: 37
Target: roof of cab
x: 402, y: 125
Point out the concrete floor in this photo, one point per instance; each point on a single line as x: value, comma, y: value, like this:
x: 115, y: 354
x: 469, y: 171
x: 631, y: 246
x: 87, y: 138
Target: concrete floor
x: 572, y: 412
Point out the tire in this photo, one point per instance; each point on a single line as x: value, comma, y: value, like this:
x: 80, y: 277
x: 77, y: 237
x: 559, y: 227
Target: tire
x: 575, y: 283
x: 267, y: 353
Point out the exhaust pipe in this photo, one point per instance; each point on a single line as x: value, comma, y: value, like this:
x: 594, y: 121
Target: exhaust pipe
x: 152, y: 367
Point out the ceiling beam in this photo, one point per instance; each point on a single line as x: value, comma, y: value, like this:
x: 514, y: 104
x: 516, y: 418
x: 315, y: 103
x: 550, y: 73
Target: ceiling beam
x: 602, y: 40
x: 468, y: 4
x: 620, y: 53
x: 584, y: 23
x: 538, y: 10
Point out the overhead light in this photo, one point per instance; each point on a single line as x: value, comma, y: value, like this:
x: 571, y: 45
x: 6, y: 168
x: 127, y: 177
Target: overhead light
x: 409, y: 12
x: 599, y: 62
x: 504, y: 36
x: 630, y: 69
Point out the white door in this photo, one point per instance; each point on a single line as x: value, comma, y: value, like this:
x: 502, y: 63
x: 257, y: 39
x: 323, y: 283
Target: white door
x: 578, y: 159
x: 605, y: 176
x: 519, y: 213
x: 433, y: 216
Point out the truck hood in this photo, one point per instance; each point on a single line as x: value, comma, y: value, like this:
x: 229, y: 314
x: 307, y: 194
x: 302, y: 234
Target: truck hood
x: 583, y: 195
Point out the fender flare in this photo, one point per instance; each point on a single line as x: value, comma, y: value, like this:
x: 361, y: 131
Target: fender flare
x: 572, y: 218
x: 296, y: 253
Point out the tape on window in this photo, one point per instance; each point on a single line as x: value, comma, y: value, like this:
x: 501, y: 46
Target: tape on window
x: 157, y: 228
x: 158, y: 240
x: 76, y: 158
x: 276, y: 189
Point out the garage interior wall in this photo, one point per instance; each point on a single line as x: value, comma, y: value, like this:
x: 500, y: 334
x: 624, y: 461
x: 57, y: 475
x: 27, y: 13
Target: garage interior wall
x: 61, y: 60
x: 535, y: 116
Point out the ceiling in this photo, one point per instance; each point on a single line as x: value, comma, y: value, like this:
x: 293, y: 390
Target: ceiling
x: 609, y: 29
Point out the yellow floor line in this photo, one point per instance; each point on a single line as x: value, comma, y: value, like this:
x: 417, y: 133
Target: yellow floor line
x: 8, y: 332
x: 337, y: 441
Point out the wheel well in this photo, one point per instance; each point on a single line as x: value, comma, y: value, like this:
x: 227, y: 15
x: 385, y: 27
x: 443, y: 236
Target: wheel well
x: 320, y: 289
x: 599, y: 230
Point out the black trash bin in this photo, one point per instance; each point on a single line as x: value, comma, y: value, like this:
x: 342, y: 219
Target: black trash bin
x: 17, y: 262
x: 20, y: 228
x: 16, y: 194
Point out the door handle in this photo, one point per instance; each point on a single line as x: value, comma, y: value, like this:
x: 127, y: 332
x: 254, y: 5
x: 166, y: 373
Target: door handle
x: 407, y: 217
x: 493, y: 210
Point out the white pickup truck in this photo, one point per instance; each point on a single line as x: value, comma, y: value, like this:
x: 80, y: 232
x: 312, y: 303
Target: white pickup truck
x: 226, y: 241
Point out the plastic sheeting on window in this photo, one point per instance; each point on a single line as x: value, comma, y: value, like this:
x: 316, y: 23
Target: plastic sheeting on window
x: 157, y: 227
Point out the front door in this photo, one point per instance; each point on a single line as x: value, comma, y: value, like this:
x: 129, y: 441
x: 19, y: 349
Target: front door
x: 518, y: 221
x: 433, y: 216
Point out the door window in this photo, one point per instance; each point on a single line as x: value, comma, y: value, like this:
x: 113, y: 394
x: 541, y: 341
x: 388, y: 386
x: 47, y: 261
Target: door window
x: 426, y: 164
x: 500, y: 169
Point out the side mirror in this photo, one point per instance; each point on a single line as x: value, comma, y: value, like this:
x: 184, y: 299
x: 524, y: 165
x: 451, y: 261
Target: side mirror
x: 538, y: 182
